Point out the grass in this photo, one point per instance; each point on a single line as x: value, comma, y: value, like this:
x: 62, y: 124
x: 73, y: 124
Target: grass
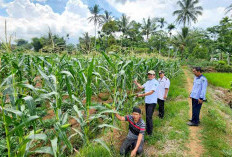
x: 220, y: 79
x: 216, y: 134
x: 171, y: 133
x: 93, y: 150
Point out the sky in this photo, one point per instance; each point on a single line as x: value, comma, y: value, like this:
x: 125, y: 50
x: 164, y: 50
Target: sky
x: 33, y: 18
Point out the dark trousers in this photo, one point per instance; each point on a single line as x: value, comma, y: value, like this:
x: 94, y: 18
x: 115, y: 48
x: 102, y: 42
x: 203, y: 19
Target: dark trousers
x: 196, y: 108
x: 149, y: 112
x: 129, y: 144
x: 161, y: 108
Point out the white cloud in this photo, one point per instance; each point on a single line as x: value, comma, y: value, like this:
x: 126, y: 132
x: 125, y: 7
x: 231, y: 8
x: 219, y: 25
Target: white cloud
x: 139, y: 9
x: 2, y: 4
x: 29, y: 20
x: 210, y: 17
x: 40, y: 1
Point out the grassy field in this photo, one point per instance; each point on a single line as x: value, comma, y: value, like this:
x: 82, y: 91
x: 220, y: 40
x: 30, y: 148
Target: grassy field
x: 216, y: 122
x: 219, y: 79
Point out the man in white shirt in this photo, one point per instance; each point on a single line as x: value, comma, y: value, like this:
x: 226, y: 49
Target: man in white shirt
x: 150, y: 98
x: 163, y: 88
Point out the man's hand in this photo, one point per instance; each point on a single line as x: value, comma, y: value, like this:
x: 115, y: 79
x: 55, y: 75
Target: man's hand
x: 137, y: 95
x: 165, y: 97
x: 200, y: 101
x: 140, y: 95
x: 133, y: 153
x: 135, y: 81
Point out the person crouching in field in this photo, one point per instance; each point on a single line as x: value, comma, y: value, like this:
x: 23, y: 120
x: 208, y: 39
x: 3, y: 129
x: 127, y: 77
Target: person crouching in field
x: 150, y: 98
x: 135, y: 138
x: 198, y: 94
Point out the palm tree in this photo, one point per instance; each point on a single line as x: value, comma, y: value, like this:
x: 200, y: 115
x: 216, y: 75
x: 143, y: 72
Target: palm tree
x: 228, y: 9
x: 124, y: 24
x: 182, y: 40
x: 188, y: 11
x: 170, y: 28
x: 148, y: 27
x: 96, y: 18
x: 162, y: 23
x: 106, y: 17
x: 85, y: 42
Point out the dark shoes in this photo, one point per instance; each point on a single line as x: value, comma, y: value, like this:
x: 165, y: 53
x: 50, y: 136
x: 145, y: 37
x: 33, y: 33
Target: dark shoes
x: 190, y: 120
x: 192, y: 124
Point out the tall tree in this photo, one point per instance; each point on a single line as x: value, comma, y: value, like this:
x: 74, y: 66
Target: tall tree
x: 96, y: 18
x: 106, y: 17
x: 36, y: 43
x: 188, y: 11
x: 85, y: 43
x: 228, y: 9
x: 124, y: 24
x: 148, y: 27
x: 182, y: 40
x: 162, y: 22
x: 170, y: 28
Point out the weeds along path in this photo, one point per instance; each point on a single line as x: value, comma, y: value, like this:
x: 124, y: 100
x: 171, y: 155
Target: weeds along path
x: 195, y: 144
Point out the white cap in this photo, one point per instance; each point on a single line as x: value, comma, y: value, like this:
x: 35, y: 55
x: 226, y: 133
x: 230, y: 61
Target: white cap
x: 151, y: 72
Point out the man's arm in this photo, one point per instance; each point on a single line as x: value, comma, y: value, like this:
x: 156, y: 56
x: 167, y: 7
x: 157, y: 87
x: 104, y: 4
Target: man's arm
x: 139, y: 85
x: 166, y: 92
x: 120, y: 117
x: 146, y: 94
x: 134, y: 151
x: 203, y: 91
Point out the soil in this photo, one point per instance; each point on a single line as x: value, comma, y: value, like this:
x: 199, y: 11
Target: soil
x: 223, y: 95
x: 195, y: 144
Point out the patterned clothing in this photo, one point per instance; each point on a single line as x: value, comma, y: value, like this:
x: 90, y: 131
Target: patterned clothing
x: 135, y: 129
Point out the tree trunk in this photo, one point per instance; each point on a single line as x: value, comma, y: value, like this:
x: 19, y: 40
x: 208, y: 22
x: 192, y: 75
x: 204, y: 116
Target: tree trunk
x: 220, y: 57
x: 228, y: 58
x: 95, y: 36
x: 211, y: 58
x: 160, y: 46
x: 176, y: 52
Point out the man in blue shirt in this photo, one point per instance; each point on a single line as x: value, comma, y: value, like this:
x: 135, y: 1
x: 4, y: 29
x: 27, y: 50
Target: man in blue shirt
x: 150, y: 95
x: 198, y: 95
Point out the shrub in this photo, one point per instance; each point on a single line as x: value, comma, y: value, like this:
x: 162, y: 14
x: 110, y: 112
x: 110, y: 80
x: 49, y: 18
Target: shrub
x: 223, y: 67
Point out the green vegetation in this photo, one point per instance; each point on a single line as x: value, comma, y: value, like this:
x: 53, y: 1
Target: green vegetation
x: 216, y: 133
x: 152, y: 35
x: 219, y: 79
x: 41, y: 95
x: 57, y: 104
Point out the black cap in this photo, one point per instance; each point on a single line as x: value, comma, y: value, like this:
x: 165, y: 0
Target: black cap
x: 136, y: 109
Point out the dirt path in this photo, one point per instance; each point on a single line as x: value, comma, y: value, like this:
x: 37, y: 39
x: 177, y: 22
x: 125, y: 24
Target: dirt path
x: 195, y: 145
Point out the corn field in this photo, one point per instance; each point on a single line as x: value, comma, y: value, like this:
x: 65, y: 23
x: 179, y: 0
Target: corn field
x: 50, y: 104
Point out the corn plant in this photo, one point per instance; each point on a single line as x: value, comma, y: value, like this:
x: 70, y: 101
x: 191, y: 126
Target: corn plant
x: 65, y: 87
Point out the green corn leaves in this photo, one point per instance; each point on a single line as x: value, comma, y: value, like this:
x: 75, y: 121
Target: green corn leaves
x: 40, y: 95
